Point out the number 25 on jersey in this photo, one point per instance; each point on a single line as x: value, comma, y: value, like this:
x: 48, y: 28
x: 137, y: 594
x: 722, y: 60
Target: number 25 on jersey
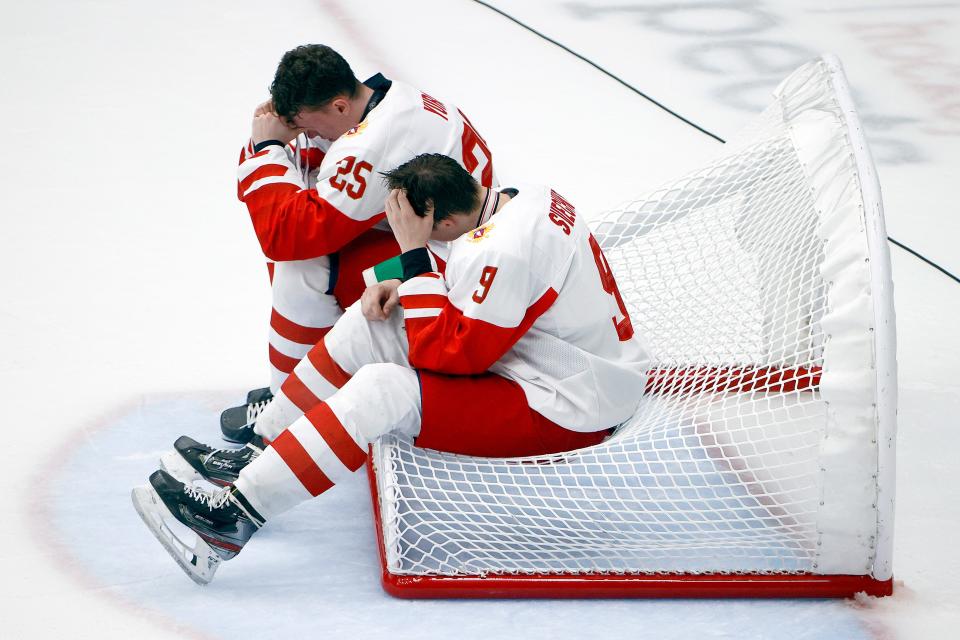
x: 351, y: 176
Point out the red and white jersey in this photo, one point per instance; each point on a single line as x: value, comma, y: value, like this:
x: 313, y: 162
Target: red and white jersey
x: 300, y: 214
x: 530, y: 296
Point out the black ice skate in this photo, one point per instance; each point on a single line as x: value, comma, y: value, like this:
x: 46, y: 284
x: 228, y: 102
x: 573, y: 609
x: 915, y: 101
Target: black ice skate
x: 259, y: 395
x: 221, y: 522
x: 236, y: 423
x: 191, y: 461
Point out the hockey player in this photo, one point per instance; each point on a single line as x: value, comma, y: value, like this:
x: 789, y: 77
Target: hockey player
x: 317, y: 205
x: 521, y: 347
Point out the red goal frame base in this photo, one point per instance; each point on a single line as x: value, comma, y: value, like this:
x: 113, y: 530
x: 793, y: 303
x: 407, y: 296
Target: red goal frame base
x: 634, y: 586
x: 663, y: 585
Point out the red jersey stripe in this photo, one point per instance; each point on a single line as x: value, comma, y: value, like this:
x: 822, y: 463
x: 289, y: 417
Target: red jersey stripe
x: 455, y: 344
x: 441, y: 265
x: 326, y: 366
x: 297, y: 224
x: 266, y: 171
x: 295, y: 332
x: 301, y: 464
x: 414, y: 325
x: 536, y: 310
x: 340, y: 442
x: 298, y: 393
x: 423, y: 301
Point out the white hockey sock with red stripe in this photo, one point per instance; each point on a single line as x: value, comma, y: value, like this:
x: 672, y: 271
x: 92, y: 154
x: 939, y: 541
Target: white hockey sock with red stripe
x: 352, y: 343
x: 331, y: 441
x: 303, y: 313
x: 316, y: 378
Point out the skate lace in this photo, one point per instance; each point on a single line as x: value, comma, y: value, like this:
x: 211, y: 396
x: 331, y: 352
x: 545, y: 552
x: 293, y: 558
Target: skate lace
x: 250, y: 450
x: 213, y: 501
x: 255, y: 409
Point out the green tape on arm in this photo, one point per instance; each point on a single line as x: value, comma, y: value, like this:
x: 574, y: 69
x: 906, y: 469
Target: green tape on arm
x: 387, y: 270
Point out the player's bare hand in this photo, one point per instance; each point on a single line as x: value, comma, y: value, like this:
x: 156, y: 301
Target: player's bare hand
x: 379, y: 300
x: 269, y: 126
x: 410, y: 230
x: 263, y: 107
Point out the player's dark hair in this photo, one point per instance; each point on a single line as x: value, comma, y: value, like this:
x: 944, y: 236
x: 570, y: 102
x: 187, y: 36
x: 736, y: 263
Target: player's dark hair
x: 433, y: 178
x: 309, y: 77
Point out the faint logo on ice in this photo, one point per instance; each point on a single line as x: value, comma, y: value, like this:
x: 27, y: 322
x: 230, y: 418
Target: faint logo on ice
x: 741, y: 45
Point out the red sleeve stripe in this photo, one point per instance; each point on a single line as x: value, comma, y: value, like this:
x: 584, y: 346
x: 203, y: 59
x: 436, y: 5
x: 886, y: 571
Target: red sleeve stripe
x: 335, y: 435
x: 288, y: 179
x: 284, y: 363
x: 269, y: 195
x: 266, y: 171
x: 431, y: 274
x: 298, y: 224
x: 326, y: 366
x: 536, y: 310
x: 295, y: 332
x: 423, y: 301
x: 298, y: 393
x: 246, y: 151
x: 456, y: 344
x: 441, y: 265
x: 414, y: 325
x: 301, y: 464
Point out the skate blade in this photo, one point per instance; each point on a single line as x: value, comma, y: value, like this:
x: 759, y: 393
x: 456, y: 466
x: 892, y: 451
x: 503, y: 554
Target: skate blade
x: 174, y: 464
x: 199, y: 561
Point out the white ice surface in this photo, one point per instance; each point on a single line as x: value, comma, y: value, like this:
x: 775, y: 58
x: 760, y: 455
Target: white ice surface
x: 133, y: 285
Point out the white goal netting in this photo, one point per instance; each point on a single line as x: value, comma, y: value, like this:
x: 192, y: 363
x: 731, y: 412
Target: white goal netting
x: 763, y: 443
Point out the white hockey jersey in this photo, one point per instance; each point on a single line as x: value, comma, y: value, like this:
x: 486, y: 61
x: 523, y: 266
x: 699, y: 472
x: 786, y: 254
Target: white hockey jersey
x: 530, y: 296
x: 295, y: 220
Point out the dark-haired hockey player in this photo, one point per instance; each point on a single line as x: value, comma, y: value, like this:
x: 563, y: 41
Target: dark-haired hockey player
x: 521, y: 347
x: 316, y: 201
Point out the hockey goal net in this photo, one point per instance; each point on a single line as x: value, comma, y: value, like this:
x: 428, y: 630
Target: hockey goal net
x: 761, y: 459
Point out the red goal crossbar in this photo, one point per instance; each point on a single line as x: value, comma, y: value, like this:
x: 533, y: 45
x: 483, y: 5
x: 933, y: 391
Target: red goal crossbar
x: 678, y: 380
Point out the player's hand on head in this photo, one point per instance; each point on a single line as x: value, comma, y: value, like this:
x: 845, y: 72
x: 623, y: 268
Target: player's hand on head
x: 379, y: 300
x: 270, y: 126
x: 410, y: 230
x: 264, y: 107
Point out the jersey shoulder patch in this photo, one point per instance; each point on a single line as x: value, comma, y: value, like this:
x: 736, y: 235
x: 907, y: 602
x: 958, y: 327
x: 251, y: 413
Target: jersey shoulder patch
x: 480, y: 233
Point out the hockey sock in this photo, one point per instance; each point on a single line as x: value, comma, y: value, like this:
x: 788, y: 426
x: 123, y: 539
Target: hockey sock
x: 307, y: 459
x: 315, y: 379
